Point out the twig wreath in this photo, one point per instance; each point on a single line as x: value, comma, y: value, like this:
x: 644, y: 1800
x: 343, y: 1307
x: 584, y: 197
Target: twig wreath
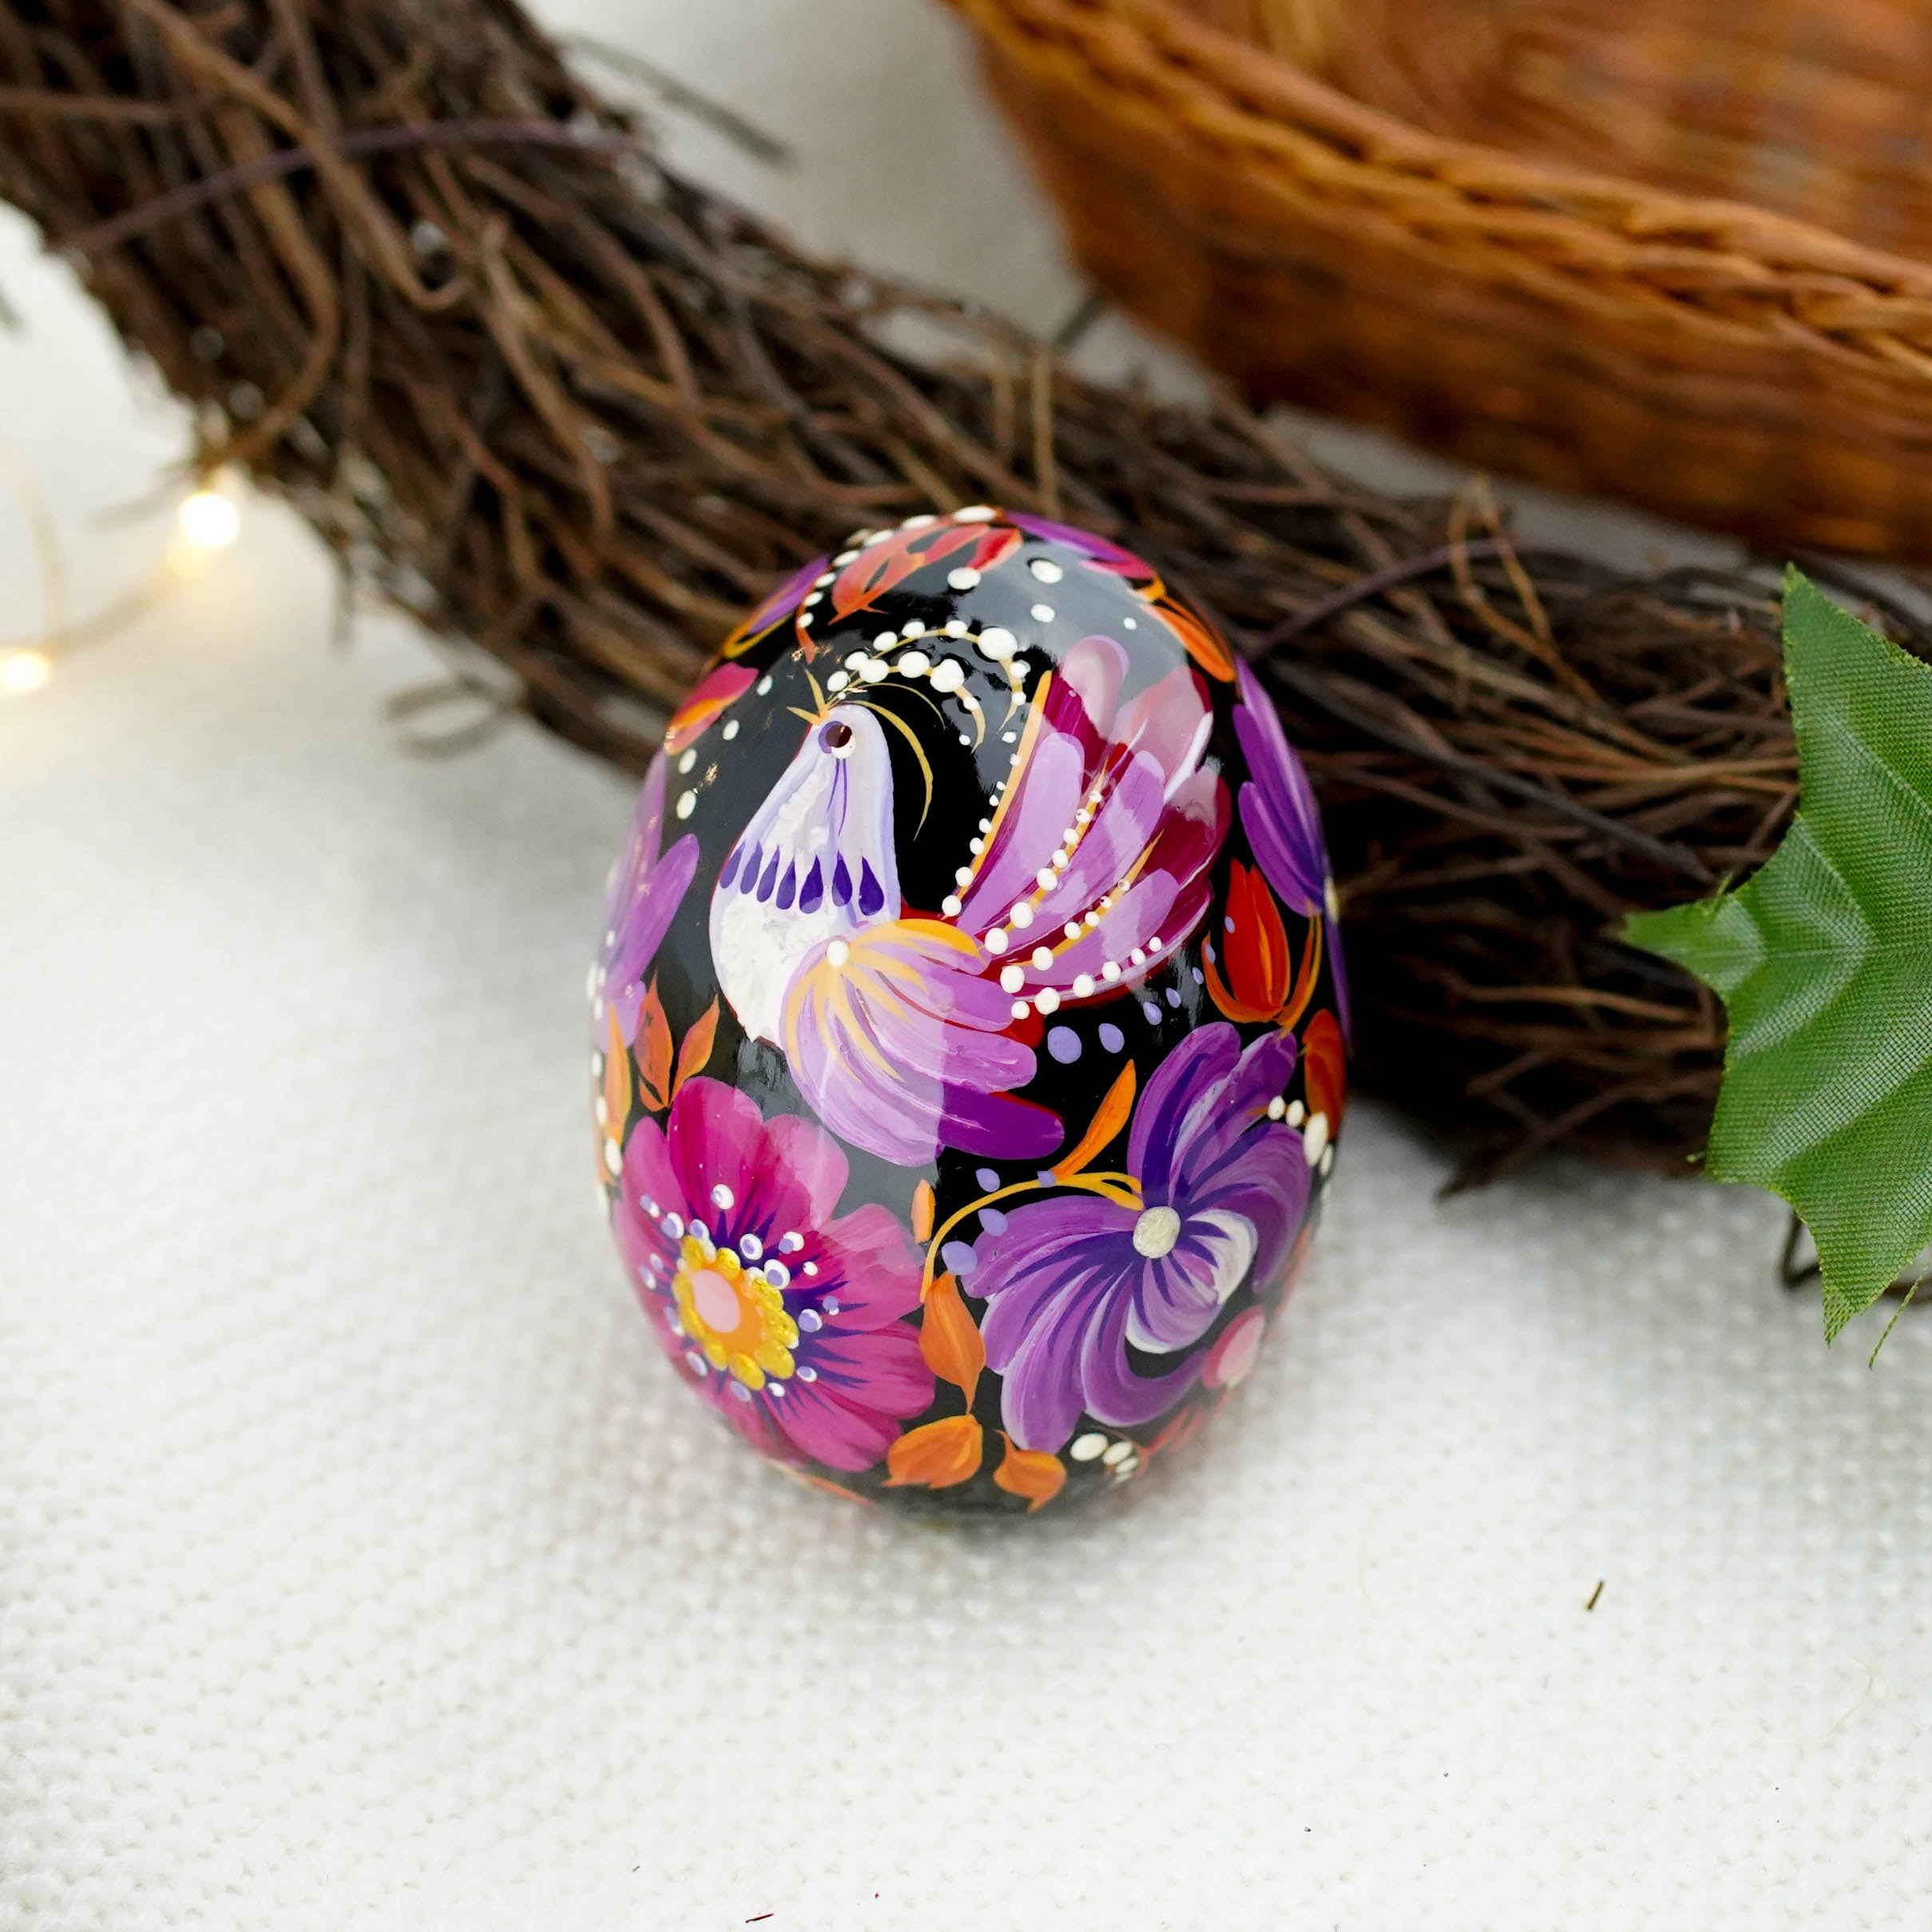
x: 578, y: 413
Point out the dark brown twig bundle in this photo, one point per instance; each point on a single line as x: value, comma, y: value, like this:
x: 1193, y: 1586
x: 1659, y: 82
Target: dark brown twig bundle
x: 571, y: 409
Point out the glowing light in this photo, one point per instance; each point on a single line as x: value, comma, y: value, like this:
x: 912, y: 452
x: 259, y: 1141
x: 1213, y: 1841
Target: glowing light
x: 208, y: 520
x: 24, y: 671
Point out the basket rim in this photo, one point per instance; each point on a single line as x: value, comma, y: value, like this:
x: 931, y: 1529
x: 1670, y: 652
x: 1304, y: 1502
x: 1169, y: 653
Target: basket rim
x: 1230, y: 92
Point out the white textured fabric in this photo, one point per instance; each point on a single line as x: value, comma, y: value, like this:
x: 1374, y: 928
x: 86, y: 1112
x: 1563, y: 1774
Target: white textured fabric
x: 362, y: 1566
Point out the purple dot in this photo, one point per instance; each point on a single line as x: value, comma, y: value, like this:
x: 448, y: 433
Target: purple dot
x: 958, y: 1256
x: 1173, y: 996
x: 1111, y: 1037
x: 1200, y: 979
x: 988, y: 1179
x: 1152, y: 1012
x: 992, y: 1220
x: 1063, y: 1043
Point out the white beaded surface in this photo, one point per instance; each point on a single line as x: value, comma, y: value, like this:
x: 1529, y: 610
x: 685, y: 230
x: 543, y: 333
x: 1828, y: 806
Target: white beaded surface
x: 362, y: 1566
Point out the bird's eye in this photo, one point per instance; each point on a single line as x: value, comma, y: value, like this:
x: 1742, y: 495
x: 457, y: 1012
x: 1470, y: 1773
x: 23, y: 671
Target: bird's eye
x: 837, y: 737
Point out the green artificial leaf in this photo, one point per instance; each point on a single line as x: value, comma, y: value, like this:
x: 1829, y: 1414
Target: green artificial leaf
x: 1823, y: 959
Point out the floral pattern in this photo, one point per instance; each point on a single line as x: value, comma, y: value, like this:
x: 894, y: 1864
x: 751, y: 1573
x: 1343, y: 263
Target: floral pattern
x: 1081, y: 1283
x: 790, y: 1317
x: 1283, y: 823
x: 962, y: 1132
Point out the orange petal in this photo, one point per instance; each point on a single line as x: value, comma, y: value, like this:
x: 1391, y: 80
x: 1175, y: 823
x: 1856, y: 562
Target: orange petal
x: 696, y: 1053
x: 922, y: 1206
x: 1324, y: 1067
x: 1254, y: 945
x: 653, y: 1046
x: 1203, y: 644
x: 935, y: 1457
x: 1223, y: 996
x: 1035, y: 1474
x: 950, y: 1338
x: 1109, y: 1118
x: 818, y: 1482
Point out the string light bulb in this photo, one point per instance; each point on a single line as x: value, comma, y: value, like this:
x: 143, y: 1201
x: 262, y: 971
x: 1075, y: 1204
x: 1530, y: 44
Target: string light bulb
x: 208, y: 520
x: 24, y: 671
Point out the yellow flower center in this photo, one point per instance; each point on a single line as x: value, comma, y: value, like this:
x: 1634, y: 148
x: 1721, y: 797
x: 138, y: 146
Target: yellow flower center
x: 732, y: 1313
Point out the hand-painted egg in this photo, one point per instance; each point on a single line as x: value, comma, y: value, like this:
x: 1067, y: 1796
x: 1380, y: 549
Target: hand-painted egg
x: 969, y: 1024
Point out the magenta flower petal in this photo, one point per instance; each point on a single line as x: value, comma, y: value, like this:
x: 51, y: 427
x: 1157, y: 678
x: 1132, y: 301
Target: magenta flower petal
x: 867, y: 1253
x: 789, y: 1321
x: 805, y: 1173
x: 851, y: 1415
x: 710, y: 697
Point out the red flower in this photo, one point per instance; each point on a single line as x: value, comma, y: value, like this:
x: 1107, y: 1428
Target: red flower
x: 715, y: 694
x: 1254, y: 946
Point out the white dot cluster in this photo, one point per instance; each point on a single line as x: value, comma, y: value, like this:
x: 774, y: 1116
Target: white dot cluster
x: 940, y: 666
x: 1119, y: 1455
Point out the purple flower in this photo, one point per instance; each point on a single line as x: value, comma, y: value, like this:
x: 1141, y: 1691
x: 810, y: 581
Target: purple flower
x: 645, y: 892
x: 783, y: 603
x: 1277, y: 806
x: 1072, y: 1282
x: 1097, y: 550
x: 788, y: 1318
x: 1283, y: 823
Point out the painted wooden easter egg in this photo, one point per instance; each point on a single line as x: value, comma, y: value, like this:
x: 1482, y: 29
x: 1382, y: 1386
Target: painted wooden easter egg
x: 969, y: 1022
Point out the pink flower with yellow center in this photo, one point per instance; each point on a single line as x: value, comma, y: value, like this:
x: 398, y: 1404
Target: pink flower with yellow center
x: 788, y: 1316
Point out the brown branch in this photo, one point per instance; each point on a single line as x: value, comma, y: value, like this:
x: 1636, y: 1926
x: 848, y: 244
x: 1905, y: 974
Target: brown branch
x: 575, y: 412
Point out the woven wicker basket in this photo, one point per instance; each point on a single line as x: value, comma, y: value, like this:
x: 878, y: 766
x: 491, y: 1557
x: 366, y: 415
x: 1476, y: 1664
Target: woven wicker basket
x: 1734, y: 326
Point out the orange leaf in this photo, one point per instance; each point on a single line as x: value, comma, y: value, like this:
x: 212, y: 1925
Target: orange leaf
x: 693, y: 1056
x: 1305, y: 979
x: 1109, y: 1118
x: 616, y: 1081
x: 922, y: 1212
x: 653, y: 1052
x: 818, y: 1482
x: 1035, y: 1474
x: 950, y: 1338
x: 887, y: 561
x: 935, y: 1457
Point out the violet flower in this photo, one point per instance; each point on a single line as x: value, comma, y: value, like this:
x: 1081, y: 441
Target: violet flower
x: 1073, y: 1281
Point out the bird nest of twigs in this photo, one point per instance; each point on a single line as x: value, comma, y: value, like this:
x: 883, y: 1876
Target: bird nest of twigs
x: 577, y: 412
